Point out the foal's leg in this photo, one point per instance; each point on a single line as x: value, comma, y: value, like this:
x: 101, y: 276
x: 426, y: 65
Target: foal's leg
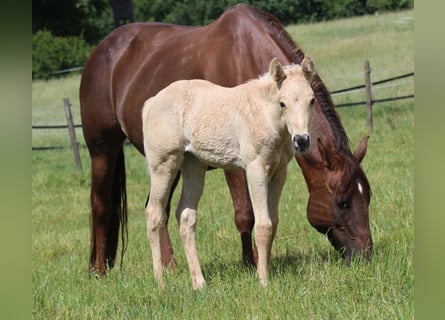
x: 162, y: 178
x: 168, y: 259
x: 257, y: 179
x: 193, y: 174
x: 275, y: 188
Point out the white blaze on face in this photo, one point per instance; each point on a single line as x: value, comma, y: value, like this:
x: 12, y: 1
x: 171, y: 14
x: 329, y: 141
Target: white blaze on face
x: 360, y: 188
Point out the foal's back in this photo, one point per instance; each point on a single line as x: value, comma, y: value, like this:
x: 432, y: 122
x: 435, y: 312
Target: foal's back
x: 221, y: 126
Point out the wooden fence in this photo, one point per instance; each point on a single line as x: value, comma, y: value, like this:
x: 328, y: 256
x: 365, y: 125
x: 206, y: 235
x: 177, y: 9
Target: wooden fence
x: 368, y: 85
x: 71, y: 131
x: 368, y: 89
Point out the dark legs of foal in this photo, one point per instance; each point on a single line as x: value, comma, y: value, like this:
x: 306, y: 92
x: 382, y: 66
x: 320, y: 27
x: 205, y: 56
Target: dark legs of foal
x: 244, y: 219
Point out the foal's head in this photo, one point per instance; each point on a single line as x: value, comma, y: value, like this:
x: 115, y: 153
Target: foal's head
x: 296, y: 98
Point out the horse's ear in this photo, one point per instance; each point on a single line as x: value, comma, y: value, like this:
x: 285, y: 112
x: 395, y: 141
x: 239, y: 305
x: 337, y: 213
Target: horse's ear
x: 360, y: 152
x: 308, y: 68
x: 276, y: 71
x: 326, y: 156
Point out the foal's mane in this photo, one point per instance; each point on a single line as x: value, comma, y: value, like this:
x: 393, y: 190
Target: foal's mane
x: 276, y: 31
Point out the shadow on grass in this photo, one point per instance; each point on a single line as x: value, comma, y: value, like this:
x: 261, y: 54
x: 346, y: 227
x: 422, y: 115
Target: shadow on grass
x: 289, y: 263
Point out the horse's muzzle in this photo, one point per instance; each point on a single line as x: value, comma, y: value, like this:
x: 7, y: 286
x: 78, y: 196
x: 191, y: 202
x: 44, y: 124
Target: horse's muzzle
x: 301, y: 142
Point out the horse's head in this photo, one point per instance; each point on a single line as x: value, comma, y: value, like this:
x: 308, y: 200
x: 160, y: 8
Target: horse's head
x: 296, y: 98
x: 339, y: 201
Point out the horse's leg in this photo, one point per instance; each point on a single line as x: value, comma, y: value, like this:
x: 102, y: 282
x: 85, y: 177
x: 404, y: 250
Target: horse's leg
x: 193, y: 175
x: 162, y: 178
x: 108, y: 206
x: 168, y: 259
x: 257, y: 180
x: 244, y: 218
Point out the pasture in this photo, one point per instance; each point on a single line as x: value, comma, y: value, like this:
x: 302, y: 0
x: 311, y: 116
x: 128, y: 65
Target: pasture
x: 308, y: 280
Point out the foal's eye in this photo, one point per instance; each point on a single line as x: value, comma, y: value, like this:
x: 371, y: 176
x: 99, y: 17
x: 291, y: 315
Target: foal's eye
x: 282, y: 105
x: 343, y: 205
x: 312, y: 101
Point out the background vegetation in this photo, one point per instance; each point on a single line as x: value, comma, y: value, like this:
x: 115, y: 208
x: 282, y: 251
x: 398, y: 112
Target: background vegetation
x: 309, y: 280
x: 88, y: 21
x: 51, y: 53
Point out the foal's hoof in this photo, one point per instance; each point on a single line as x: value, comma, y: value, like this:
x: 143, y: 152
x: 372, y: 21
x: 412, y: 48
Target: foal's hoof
x: 264, y: 283
x: 161, y: 284
x: 198, y: 284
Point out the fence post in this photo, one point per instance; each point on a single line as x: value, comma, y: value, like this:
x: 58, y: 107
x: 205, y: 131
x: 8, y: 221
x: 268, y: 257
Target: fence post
x: 72, y: 133
x: 368, y: 96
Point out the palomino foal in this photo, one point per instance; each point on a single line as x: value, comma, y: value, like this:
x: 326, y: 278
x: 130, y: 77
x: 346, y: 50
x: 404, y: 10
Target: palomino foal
x: 257, y: 126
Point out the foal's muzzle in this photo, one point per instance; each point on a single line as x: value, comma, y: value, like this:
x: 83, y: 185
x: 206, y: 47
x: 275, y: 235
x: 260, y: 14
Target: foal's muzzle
x: 301, y: 142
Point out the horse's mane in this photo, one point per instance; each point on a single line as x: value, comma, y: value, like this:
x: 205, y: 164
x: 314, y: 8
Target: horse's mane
x: 277, y: 31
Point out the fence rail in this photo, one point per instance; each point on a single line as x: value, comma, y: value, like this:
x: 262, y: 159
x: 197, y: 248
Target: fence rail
x: 406, y: 75
x: 67, y: 70
x: 374, y: 101
x: 56, y: 126
x: 71, y: 131
x: 369, y: 102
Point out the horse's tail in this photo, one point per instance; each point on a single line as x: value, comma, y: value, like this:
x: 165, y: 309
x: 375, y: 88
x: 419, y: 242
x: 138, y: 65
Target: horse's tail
x: 118, y: 223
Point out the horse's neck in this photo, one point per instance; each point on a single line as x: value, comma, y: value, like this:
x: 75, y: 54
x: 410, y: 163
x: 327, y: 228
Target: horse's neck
x: 320, y: 128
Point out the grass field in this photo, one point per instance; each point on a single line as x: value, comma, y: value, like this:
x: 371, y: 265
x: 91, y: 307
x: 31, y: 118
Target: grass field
x: 308, y: 278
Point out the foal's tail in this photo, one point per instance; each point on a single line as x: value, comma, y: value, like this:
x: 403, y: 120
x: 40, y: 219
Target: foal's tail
x: 118, y: 220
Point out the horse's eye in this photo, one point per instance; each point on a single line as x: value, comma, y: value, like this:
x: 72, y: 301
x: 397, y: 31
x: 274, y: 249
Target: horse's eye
x: 312, y: 101
x: 282, y: 105
x: 343, y: 205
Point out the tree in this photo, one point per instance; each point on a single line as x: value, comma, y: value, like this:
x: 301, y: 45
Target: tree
x: 93, y: 19
x: 71, y: 18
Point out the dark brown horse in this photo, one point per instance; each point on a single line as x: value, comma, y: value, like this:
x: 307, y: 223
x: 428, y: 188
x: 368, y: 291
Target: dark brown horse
x: 137, y: 60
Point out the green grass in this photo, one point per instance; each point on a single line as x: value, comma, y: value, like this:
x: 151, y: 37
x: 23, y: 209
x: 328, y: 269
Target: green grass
x: 308, y: 278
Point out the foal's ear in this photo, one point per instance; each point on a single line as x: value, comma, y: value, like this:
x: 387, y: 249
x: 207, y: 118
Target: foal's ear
x: 276, y: 71
x: 359, y: 154
x: 307, y: 65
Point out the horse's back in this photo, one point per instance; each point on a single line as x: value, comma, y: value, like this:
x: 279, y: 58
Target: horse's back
x: 137, y: 60
x: 122, y: 72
